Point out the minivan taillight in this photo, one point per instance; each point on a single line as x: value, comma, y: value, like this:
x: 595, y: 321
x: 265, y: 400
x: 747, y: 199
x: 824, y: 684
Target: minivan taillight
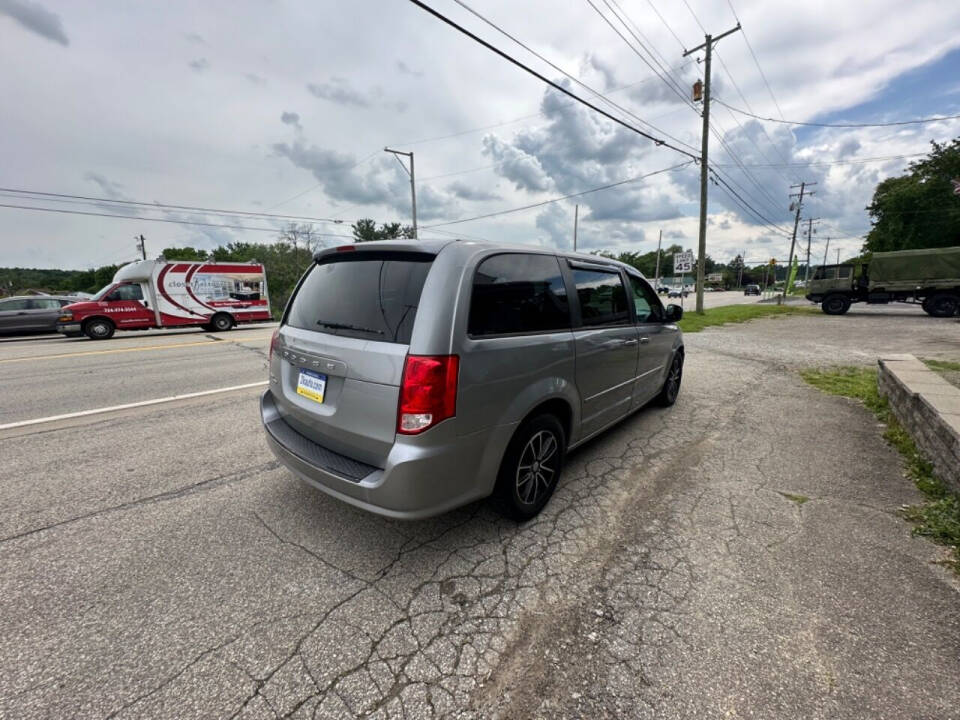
x: 273, y: 341
x: 428, y: 392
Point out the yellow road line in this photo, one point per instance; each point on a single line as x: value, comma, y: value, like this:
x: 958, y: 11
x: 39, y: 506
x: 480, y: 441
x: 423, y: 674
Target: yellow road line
x: 145, y: 348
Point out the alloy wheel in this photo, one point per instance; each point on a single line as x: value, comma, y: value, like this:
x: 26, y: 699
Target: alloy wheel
x: 537, y: 468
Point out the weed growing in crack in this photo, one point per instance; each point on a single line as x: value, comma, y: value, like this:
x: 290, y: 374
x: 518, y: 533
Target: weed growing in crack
x: 939, y: 517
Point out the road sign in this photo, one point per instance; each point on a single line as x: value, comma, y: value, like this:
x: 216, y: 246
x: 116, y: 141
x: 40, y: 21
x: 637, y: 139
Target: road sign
x: 683, y: 262
x: 715, y: 277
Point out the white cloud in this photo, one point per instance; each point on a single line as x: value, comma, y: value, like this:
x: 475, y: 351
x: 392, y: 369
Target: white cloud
x: 123, y: 111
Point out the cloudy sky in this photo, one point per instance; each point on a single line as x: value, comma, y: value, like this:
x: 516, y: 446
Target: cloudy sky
x: 256, y: 106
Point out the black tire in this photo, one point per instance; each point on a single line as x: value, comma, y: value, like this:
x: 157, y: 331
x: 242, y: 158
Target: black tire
x: 221, y: 322
x: 531, y: 467
x: 671, y: 386
x: 835, y: 304
x: 942, y: 305
x: 925, y: 304
x: 99, y: 329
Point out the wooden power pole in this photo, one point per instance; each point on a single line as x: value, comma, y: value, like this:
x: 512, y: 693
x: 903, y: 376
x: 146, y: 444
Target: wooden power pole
x: 709, y: 42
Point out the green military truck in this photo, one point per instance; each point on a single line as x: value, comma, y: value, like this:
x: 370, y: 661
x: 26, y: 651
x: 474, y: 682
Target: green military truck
x: 930, y: 278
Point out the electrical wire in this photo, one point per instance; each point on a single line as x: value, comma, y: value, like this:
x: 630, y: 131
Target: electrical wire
x: 669, y: 83
x: 164, y: 206
x: 150, y: 219
x: 754, y: 56
x: 494, y: 126
x: 555, y: 86
x: 918, y: 121
x: 562, y: 197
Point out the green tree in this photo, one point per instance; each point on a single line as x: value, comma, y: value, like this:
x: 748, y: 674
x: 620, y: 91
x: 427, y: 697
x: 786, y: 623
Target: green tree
x: 184, y: 253
x: 918, y: 209
x: 366, y: 230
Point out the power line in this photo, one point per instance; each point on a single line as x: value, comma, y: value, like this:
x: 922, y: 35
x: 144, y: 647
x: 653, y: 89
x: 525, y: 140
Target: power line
x: 166, y: 206
x: 151, y: 219
x: 918, y: 121
x: 672, y: 85
x: 596, y: 93
x: 815, y: 163
x: 314, y: 187
x: 562, y: 197
x: 765, y: 220
x: 755, y: 60
x: 549, y: 82
x: 527, y: 117
x: 669, y: 83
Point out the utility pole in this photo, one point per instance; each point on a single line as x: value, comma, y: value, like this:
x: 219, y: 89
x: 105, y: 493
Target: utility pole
x: 141, y: 245
x: 709, y: 42
x: 793, y: 239
x: 576, y: 220
x: 656, y: 280
x: 810, y: 222
x: 413, y: 183
x: 826, y: 250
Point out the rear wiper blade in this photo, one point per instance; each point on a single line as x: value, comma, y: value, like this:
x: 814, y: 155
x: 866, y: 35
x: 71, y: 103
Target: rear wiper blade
x: 344, y: 326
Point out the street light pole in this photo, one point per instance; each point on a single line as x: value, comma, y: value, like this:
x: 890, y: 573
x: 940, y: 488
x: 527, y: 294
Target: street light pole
x: 413, y: 183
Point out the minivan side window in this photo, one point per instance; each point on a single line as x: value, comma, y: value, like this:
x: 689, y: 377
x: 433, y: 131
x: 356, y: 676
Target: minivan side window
x: 518, y: 293
x: 646, y: 304
x: 603, y: 299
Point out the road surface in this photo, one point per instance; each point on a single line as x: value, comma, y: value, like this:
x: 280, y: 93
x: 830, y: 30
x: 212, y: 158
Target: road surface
x: 156, y: 562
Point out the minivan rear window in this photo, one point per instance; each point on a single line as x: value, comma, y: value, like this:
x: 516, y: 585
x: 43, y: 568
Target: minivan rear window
x: 518, y: 293
x: 362, y: 294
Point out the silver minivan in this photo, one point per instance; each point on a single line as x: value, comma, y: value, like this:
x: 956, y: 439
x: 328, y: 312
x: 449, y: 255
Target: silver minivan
x: 411, y: 377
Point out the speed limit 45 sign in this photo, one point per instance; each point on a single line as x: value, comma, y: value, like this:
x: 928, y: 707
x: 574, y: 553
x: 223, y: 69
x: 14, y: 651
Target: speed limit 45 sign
x: 683, y: 262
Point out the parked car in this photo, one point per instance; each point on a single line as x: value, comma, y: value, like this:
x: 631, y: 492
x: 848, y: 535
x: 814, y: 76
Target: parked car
x: 409, y: 378
x: 663, y: 290
x: 32, y: 313
x: 677, y: 292
x: 751, y: 289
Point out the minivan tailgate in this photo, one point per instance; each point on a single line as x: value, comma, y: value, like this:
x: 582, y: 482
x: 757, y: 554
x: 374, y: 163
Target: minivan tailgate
x: 357, y: 416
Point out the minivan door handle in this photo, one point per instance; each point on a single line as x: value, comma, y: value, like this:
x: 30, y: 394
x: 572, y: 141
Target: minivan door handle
x: 644, y: 340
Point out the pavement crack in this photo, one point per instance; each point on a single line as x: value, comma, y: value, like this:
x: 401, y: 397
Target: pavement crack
x: 202, y: 486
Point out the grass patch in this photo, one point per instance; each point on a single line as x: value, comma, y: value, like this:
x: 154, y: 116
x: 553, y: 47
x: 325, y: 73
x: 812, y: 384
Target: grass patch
x: 948, y: 365
x: 692, y: 322
x: 939, y: 517
x: 798, y: 499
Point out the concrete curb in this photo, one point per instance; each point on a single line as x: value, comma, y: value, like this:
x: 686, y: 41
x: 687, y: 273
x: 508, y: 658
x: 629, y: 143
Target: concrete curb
x: 928, y: 407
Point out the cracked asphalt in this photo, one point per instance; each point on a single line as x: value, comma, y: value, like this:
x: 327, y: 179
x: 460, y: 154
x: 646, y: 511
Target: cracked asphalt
x: 740, y: 555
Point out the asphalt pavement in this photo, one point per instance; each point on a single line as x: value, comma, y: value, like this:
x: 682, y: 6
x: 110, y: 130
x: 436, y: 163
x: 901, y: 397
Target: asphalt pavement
x: 738, y: 555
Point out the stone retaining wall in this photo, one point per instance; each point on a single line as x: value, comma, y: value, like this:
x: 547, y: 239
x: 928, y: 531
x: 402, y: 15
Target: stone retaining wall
x: 928, y: 407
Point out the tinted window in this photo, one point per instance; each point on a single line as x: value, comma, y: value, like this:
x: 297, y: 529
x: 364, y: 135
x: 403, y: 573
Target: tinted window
x: 13, y: 305
x: 603, y: 300
x: 44, y: 304
x: 518, y: 293
x: 125, y: 292
x: 373, y: 297
x: 646, y: 305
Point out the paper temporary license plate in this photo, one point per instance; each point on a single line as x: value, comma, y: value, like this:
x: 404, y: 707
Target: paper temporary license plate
x: 312, y: 385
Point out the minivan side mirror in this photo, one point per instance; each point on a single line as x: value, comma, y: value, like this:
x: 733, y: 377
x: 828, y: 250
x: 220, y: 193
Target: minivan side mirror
x: 673, y: 313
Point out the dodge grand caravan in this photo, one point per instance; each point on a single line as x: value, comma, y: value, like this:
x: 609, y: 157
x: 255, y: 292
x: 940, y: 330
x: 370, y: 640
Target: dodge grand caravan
x: 409, y: 378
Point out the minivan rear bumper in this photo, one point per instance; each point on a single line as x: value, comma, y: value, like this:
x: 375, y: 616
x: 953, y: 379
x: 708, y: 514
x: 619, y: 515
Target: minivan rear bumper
x: 424, y: 475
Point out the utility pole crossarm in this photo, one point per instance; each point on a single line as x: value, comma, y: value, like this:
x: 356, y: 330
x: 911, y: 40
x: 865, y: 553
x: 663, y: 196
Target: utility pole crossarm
x: 714, y: 39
